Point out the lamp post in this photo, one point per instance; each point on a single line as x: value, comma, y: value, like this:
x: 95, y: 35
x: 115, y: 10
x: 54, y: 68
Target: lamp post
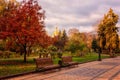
x: 99, y: 54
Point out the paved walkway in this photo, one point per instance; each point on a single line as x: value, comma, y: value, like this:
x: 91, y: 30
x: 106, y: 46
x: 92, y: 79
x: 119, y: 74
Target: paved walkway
x: 107, y: 69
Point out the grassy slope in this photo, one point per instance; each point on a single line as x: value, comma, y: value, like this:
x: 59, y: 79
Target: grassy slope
x: 20, y: 67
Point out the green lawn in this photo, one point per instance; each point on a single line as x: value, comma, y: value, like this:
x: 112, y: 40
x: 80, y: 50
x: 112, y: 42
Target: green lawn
x: 16, y: 65
x: 89, y: 57
x: 86, y: 58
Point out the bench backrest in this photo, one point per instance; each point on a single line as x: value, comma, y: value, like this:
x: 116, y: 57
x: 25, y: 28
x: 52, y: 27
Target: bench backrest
x: 41, y: 62
x: 67, y: 59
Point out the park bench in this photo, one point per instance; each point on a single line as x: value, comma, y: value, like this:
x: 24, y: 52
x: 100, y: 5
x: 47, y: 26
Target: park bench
x: 45, y: 64
x: 67, y: 61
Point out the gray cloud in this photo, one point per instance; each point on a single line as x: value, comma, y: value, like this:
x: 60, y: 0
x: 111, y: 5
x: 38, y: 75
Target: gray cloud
x: 82, y: 14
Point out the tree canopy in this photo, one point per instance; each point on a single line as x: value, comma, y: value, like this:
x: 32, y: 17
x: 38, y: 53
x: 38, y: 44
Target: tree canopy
x: 23, y: 25
x: 107, y: 32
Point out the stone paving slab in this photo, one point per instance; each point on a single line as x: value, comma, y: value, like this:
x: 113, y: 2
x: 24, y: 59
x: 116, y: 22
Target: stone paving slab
x: 107, y: 69
x: 117, y: 77
x: 110, y: 74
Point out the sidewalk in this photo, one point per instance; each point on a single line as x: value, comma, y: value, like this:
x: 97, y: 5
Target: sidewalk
x: 107, y: 69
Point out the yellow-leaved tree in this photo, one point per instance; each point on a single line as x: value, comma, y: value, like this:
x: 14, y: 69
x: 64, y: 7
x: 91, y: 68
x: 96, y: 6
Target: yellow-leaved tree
x: 107, y: 32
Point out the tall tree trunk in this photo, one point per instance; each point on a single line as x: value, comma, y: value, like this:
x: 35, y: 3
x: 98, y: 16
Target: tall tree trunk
x: 40, y: 55
x: 25, y: 53
x: 29, y: 51
x: 111, y: 53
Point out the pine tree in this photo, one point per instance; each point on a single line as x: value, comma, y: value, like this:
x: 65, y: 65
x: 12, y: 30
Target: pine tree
x: 64, y: 37
x: 107, y: 32
x: 61, y: 40
x: 94, y: 44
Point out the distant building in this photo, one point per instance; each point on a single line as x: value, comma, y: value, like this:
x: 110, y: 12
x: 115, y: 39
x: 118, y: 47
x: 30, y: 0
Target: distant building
x: 56, y: 32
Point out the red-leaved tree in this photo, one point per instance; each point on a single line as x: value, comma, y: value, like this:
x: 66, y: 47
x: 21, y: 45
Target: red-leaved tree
x: 23, y: 24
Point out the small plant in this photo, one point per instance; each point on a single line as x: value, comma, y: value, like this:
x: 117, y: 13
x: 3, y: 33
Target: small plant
x: 52, y: 50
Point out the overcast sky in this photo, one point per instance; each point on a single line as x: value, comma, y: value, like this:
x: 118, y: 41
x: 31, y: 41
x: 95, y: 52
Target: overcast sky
x: 80, y: 14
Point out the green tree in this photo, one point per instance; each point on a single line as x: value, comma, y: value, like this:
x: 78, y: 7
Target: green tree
x: 52, y: 50
x: 75, y: 43
x: 107, y: 32
x: 61, y: 40
x: 64, y: 38
x: 94, y: 45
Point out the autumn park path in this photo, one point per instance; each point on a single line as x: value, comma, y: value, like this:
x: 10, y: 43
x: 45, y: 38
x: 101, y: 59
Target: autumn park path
x: 107, y: 69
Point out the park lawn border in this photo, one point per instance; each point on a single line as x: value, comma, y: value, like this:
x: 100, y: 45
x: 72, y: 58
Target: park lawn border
x: 16, y: 75
x: 34, y: 71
